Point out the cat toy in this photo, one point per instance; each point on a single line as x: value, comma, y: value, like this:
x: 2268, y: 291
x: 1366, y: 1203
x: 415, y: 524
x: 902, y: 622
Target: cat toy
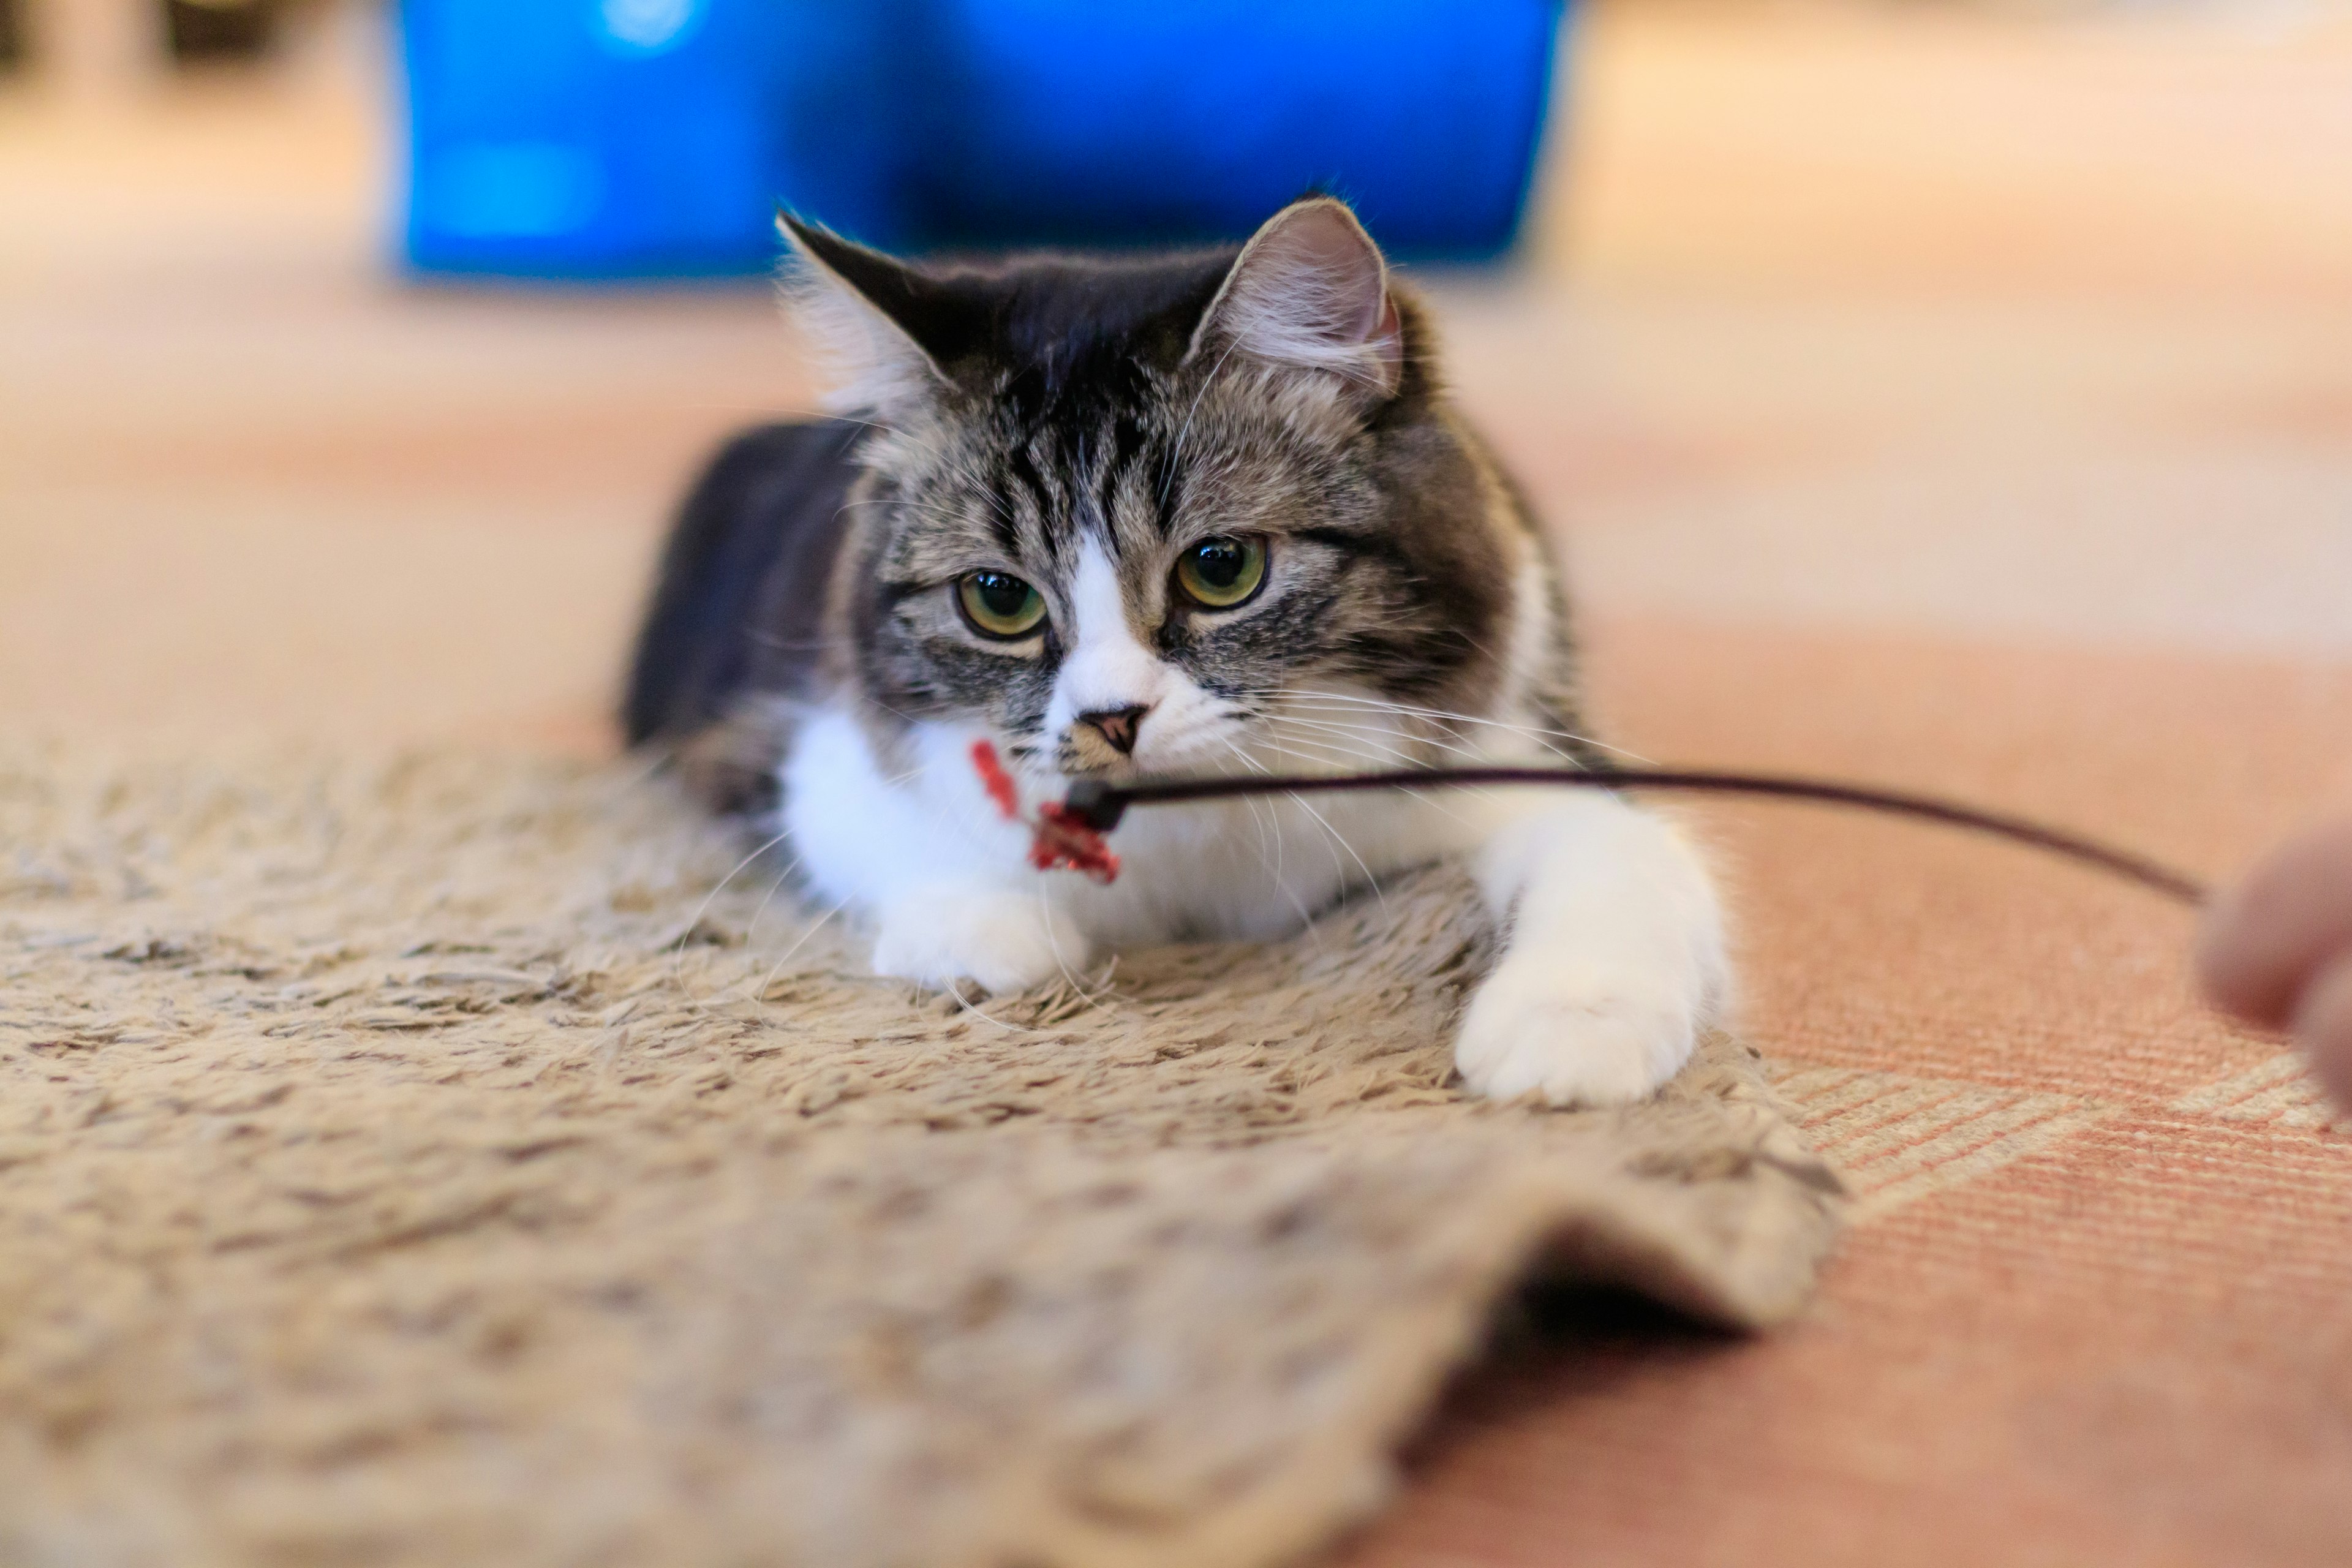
x: 1059, y: 836
x: 1072, y: 833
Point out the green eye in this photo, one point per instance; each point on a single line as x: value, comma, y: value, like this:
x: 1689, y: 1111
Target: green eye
x: 1000, y: 604
x: 1222, y: 573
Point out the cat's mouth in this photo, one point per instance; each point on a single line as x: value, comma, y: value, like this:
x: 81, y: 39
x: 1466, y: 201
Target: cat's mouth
x: 1079, y: 756
x: 1084, y: 752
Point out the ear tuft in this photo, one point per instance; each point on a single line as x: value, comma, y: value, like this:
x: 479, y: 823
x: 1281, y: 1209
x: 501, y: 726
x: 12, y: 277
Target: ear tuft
x: 854, y: 304
x: 1310, y: 292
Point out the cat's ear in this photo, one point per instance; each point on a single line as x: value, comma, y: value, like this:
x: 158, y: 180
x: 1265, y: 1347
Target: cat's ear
x: 1310, y: 292
x: 890, y: 330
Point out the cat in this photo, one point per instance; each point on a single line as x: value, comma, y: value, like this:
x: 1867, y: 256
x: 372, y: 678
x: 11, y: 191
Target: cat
x: 1198, y: 512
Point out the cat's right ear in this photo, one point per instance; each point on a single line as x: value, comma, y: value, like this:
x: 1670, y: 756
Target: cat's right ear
x: 1310, y: 292
x: 890, y: 331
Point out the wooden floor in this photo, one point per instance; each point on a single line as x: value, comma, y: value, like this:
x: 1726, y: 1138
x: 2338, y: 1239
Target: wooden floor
x: 1904, y: 320
x: 1950, y: 397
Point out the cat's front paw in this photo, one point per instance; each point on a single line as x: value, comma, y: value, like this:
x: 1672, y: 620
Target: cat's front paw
x: 1577, y: 1036
x: 952, y: 938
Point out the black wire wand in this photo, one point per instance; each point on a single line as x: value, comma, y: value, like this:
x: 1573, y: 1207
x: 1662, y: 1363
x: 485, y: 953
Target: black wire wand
x: 1070, y: 833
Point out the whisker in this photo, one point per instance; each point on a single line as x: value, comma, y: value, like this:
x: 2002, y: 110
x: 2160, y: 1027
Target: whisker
x: 785, y: 875
x: 1378, y: 891
x: 1402, y: 753
x: 1333, y: 750
x: 677, y: 951
x: 777, y: 968
x: 1390, y: 760
x: 1092, y: 999
x: 850, y: 419
x: 1325, y: 824
x: 1306, y: 916
x: 1176, y: 453
x: 651, y: 759
x: 1322, y: 758
x: 973, y: 1007
x: 1315, y: 698
x: 782, y: 877
x: 1387, y: 756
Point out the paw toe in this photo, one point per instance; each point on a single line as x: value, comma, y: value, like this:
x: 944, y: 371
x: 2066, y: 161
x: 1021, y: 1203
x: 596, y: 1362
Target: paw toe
x: 1574, y: 1046
x: 1002, y: 945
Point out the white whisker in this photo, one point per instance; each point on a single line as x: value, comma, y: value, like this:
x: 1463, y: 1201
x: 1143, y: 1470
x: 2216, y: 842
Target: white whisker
x: 1176, y: 452
x: 1400, y: 751
x: 973, y: 1007
x: 1378, y: 891
x: 770, y: 978
x: 1329, y: 700
x: 782, y: 877
x: 1423, y: 796
x: 1092, y: 999
x: 677, y: 949
x: 1305, y: 917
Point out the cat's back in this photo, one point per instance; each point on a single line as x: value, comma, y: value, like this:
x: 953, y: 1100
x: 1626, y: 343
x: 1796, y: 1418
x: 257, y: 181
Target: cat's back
x: 739, y: 601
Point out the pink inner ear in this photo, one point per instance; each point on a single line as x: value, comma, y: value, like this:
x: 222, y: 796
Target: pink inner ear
x: 1311, y: 291
x: 1325, y: 251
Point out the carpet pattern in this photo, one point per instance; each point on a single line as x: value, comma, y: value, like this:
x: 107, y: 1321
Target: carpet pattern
x: 2090, y: 1304
x: 417, y: 1161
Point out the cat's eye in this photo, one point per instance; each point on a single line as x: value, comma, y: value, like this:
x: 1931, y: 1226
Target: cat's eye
x: 1222, y: 573
x: 1000, y: 604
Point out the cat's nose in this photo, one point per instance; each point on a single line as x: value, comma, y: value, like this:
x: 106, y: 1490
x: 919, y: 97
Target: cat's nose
x: 1118, y: 725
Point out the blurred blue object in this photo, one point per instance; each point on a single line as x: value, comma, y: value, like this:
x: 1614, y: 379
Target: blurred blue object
x: 639, y: 138
x: 654, y: 137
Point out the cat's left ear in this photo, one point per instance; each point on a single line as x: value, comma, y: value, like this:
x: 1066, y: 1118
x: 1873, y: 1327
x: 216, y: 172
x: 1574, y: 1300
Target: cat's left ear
x: 1310, y: 292
x: 894, y: 333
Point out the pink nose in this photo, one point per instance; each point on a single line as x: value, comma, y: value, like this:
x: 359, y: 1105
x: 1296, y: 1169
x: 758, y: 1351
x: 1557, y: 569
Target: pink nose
x: 1118, y: 725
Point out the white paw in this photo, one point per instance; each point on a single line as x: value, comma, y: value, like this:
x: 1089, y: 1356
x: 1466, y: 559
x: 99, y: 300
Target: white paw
x: 948, y: 939
x: 1573, y: 1034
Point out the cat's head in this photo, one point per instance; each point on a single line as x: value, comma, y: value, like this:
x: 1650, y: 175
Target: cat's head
x: 1120, y: 512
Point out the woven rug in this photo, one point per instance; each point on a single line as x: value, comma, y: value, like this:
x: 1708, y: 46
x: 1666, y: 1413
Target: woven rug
x: 419, y: 1162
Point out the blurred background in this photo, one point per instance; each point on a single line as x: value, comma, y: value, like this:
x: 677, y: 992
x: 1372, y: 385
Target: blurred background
x: 2014, y: 316
x: 1947, y: 393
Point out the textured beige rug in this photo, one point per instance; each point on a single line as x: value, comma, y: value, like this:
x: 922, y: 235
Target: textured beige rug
x: 415, y: 1162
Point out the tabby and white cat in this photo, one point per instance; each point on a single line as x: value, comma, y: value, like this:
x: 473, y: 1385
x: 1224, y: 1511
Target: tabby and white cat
x: 1207, y: 512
